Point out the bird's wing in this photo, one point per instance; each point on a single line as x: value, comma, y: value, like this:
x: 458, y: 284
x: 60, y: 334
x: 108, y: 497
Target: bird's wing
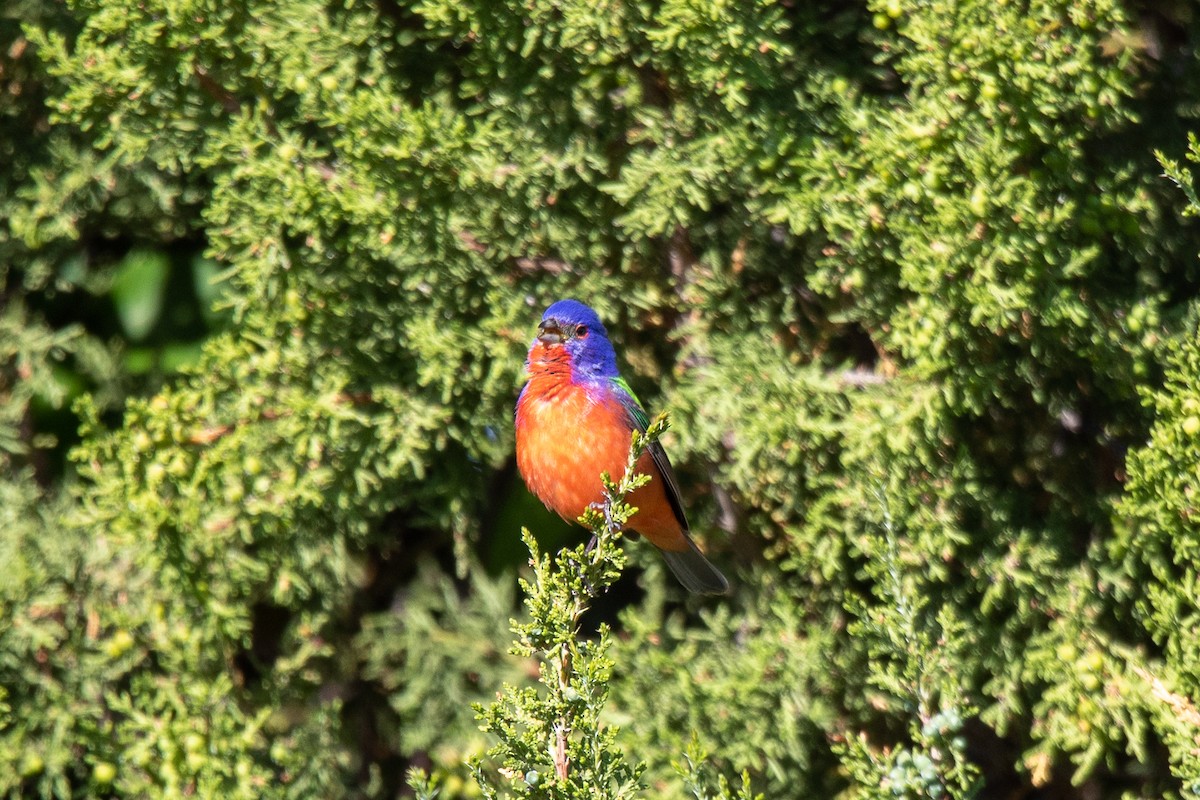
x: 638, y: 419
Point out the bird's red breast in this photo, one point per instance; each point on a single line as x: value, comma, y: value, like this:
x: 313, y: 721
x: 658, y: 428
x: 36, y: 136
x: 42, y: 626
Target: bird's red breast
x: 567, y: 434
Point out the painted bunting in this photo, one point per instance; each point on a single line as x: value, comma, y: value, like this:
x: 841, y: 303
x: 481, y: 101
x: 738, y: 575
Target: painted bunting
x: 575, y: 419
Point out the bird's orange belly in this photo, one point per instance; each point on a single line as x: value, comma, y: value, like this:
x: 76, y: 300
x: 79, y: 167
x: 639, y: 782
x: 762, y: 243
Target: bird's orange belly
x: 566, y: 440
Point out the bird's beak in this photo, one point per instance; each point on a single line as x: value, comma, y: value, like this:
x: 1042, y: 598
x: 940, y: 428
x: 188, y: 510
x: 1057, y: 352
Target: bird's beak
x: 549, y: 332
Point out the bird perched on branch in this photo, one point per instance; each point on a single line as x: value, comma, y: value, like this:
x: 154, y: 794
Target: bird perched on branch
x: 575, y: 419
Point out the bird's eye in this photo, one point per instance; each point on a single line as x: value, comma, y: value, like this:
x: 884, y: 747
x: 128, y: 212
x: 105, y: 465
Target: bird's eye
x: 581, y: 331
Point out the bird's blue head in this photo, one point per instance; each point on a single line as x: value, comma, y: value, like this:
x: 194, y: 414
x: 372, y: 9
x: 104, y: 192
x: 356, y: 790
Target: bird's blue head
x: 569, y: 327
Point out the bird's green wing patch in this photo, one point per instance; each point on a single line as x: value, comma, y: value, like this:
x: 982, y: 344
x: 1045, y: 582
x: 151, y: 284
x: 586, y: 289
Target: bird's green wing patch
x: 640, y: 420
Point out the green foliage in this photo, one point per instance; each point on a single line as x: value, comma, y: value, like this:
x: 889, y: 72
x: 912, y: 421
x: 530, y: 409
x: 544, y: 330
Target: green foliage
x: 913, y: 257
x: 551, y: 742
x: 1159, y: 546
x: 698, y: 780
x: 684, y: 688
x: 433, y: 690
x: 914, y: 656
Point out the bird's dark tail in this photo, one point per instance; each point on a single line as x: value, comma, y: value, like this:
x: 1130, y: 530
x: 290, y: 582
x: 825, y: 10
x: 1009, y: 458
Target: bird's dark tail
x: 694, y: 570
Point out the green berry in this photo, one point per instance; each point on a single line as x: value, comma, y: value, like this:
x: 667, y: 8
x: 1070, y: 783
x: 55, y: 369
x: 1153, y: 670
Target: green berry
x: 104, y: 773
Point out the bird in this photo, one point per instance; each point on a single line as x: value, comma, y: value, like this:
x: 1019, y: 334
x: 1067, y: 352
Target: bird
x: 575, y: 418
